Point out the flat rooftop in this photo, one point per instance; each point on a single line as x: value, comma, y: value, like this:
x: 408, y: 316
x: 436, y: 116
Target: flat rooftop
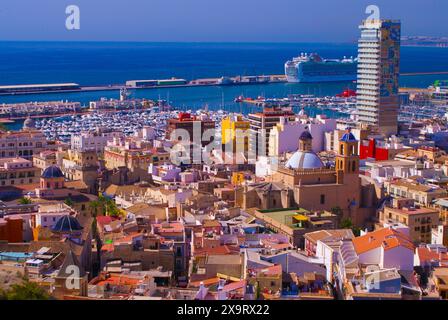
x: 413, y: 211
x: 287, y: 216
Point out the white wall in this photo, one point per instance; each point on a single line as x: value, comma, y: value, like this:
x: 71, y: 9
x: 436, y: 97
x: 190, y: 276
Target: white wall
x: 399, y: 257
x: 370, y: 257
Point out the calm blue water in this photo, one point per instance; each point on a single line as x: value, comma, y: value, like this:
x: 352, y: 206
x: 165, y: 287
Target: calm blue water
x: 89, y: 63
x: 92, y: 63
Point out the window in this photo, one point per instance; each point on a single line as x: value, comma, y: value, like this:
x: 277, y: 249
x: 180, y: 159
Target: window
x: 322, y: 199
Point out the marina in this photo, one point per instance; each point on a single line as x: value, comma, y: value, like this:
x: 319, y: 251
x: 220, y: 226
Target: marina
x: 128, y: 122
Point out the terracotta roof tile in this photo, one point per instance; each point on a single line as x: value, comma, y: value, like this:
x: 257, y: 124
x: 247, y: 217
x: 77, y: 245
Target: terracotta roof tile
x: 386, y: 238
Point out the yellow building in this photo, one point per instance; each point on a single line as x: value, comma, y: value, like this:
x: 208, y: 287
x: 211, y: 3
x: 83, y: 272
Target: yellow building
x: 420, y: 193
x: 419, y: 220
x: 17, y: 172
x: 440, y: 279
x: 235, y: 135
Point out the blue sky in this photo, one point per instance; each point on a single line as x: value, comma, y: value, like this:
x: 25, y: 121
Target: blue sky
x: 214, y: 20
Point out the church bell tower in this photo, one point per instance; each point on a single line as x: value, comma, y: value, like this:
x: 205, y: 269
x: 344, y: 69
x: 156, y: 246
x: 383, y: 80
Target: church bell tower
x: 347, y: 160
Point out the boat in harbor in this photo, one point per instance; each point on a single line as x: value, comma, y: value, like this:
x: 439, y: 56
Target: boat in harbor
x: 312, y: 68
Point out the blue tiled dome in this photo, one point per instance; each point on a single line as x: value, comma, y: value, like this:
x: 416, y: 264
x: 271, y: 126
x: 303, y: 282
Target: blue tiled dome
x: 52, y: 172
x: 348, y: 135
x: 67, y: 224
x: 304, y: 160
x: 306, y: 135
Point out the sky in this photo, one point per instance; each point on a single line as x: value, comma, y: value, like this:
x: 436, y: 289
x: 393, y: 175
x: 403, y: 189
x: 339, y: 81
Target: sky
x: 213, y: 20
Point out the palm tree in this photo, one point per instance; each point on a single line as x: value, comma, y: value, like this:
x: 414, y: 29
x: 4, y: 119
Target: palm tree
x: 108, y: 206
x: 112, y: 208
x: 25, y: 201
x: 94, y: 205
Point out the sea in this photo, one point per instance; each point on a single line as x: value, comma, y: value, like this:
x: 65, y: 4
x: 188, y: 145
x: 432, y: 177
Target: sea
x: 105, y: 63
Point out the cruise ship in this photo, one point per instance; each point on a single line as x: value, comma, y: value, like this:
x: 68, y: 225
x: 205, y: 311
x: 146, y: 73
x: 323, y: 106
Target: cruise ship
x: 312, y: 68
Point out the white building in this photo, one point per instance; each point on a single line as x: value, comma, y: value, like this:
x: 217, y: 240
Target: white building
x: 284, y: 137
x: 378, y: 73
x: 386, y: 248
x: 49, y: 214
x: 87, y: 141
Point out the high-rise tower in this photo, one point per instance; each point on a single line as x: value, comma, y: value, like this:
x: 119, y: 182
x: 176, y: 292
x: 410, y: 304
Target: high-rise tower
x: 378, y: 72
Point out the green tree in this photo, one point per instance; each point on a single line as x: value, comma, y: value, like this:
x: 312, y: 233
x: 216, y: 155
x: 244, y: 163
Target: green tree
x: 94, y: 206
x: 108, y: 206
x: 94, y: 227
x: 25, y: 201
x: 3, y: 127
x: 338, y: 212
x: 258, y: 291
x: 347, y: 223
x: 69, y: 202
x: 2, y: 294
x: 26, y: 291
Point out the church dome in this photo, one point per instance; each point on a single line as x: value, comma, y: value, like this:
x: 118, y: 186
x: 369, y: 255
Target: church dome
x: 306, y: 135
x: 52, y: 172
x: 67, y: 224
x: 304, y: 160
x: 348, y: 136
